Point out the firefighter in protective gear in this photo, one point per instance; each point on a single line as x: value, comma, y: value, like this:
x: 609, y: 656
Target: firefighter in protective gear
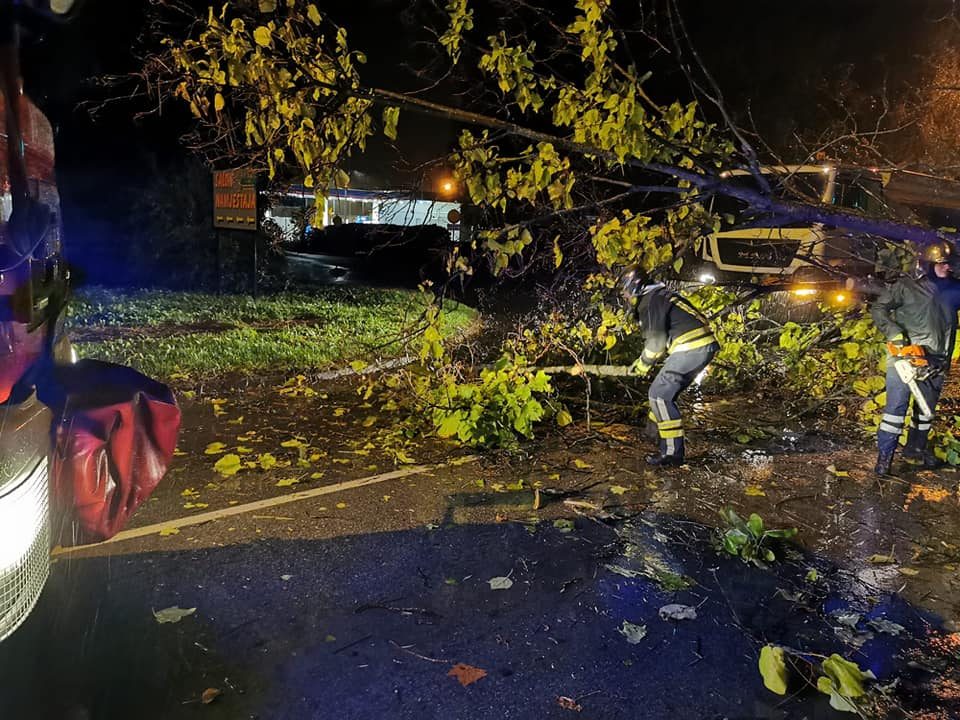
x: 671, y: 328
x: 918, y: 317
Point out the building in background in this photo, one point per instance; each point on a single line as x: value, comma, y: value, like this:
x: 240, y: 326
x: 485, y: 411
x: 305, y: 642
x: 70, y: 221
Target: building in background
x: 293, y: 210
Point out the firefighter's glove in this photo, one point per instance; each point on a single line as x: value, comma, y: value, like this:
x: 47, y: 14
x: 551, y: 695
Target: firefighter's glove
x: 640, y: 368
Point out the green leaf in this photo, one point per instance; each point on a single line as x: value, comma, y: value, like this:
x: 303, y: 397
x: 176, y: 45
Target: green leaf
x: 228, y: 465
x: 755, y: 524
x: 267, y: 461
x: 262, y: 36
x: 450, y: 426
x: 773, y: 669
x: 847, y: 677
x: 633, y: 633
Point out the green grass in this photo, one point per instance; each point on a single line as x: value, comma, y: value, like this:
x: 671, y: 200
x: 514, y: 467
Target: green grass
x: 288, y: 331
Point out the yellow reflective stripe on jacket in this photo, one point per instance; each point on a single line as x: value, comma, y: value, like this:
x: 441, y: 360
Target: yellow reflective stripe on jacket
x: 687, y: 307
x: 670, y: 434
x: 670, y: 424
x: 698, y: 337
x: 694, y: 344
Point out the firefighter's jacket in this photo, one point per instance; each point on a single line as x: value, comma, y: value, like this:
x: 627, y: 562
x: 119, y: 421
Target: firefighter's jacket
x: 669, y: 324
x: 913, y: 312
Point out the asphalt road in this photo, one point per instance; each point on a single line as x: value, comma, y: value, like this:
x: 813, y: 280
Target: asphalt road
x: 370, y: 626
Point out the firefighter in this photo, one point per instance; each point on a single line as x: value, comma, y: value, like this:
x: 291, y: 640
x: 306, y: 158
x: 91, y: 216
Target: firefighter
x: 671, y: 327
x: 918, y: 317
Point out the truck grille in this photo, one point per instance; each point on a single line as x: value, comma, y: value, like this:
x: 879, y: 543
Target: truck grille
x: 757, y: 253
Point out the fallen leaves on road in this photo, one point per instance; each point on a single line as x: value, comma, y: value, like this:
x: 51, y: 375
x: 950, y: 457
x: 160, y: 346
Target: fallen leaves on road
x: 500, y: 583
x: 287, y: 482
x: 164, y: 532
x: 466, y: 674
x: 678, y: 612
x: 228, y: 465
x: 569, y: 704
x: 632, y: 632
x: 581, y: 465
x: 563, y: 525
x: 173, y: 614
x: 618, y: 489
x: 925, y: 492
x: 215, y: 448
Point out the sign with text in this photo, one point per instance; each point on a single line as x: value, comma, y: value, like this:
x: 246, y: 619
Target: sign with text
x: 235, y: 199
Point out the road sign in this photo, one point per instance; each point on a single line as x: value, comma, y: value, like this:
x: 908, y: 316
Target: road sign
x: 235, y: 199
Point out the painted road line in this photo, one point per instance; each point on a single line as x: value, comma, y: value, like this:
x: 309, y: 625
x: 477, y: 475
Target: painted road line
x: 206, y: 517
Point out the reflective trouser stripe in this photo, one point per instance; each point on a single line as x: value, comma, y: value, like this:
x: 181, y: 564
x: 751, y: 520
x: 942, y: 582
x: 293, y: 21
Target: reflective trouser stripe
x: 667, y: 434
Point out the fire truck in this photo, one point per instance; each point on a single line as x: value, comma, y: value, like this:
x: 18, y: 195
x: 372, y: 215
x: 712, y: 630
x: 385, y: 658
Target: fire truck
x: 85, y: 442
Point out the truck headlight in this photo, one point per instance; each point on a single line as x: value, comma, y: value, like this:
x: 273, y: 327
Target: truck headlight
x: 24, y: 544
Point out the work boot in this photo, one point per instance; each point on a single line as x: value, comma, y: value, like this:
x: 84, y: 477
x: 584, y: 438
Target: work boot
x: 659, y: 460
x: 925, y: 458
x: 884, y: 461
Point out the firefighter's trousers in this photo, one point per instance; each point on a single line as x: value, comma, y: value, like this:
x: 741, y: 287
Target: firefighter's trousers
x: 678, y: 371
x: 895, y: 411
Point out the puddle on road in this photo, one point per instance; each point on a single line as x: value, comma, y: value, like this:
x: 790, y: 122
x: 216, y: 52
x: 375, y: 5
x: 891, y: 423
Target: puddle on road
x: 802, y: 602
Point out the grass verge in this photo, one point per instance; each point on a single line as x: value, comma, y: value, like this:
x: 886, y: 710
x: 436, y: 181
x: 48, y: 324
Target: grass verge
x: 200, y: 335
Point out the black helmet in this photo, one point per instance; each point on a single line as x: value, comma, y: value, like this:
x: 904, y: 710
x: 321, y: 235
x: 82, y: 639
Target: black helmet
x: 937, y: 253
x: 632, y: 282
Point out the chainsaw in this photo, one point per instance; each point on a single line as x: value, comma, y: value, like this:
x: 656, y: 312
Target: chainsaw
x: 913, y: 367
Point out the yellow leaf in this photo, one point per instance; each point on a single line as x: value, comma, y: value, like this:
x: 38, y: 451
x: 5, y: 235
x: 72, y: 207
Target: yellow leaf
x: 881, y: 559
x: 339, y: 412
x: 228, y: 465
x: 754, y: 490
x: 909, y: 571
x: 243, y: 450
x: 386, y: 498
x: 261, y: 36
x: 316, y: 476
x: 390, y: 117
x: 313, y: 14
x: 267, y: 461
x: 618, y: 489
x: 370, y: 421
x: 577, y: 462
x: 218, y: 102
x: 215, y: 448
x: 564, y: 418
x: 294, y: 443
x: 195, y: 506
x: 189, y: 492
x: 341, y: 461
x: 164, y: 532
x: 288, y: 482
x: 773, y: 668
x: 341, y: 505
x: 238, y: 421
x: 838, y: 473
